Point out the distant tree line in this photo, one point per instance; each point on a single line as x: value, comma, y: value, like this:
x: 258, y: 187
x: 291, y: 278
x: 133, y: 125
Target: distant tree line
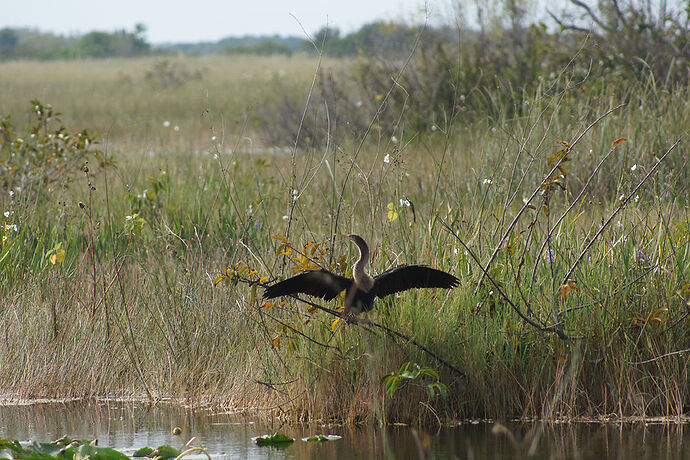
x: 625, y: 38
x: 17, y: 43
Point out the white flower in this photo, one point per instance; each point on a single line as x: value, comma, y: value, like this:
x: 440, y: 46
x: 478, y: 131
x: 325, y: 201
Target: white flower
x: 487, y: 181
x: 7, y: 214
x: 394, y: 139
x: 633, y: 167
x: 215, y: 156
x: 250, y: 209
x: 621, y: 198
x: 404, y: 202
x: 433, y: 127
x: 11, y: 192
x: 637, y: 198
x: 549, y: 256
x: 285, y: 217
x: 591, y: 151
x: 295, y: 195
x: 455, y: 251
x: 358, y: 104
x: 176, y: 128
x: 462, y: 98
x: 387, y: 158
x: 166, y: 124
x: 11, y: 227
x: 213, y: 139
x: 493, y: 130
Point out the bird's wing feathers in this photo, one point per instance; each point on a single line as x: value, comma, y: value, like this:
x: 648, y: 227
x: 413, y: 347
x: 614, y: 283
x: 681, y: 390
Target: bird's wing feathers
x: 412, y: 276
x: 318, y: 283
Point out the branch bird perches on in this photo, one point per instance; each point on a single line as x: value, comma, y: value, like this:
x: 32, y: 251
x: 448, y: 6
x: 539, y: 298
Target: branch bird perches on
x: 362, y: 288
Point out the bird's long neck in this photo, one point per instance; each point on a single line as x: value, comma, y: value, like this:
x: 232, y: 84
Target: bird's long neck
x: 358, y: 271
x: 361, y: 278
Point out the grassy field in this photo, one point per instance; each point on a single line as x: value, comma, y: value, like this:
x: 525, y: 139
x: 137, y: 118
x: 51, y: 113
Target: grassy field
x: 588, y: 313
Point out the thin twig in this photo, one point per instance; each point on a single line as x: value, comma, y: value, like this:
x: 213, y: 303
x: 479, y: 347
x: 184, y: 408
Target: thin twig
x: 665, y: 355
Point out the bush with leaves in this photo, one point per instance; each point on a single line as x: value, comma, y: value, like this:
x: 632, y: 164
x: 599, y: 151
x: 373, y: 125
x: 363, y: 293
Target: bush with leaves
x: 634, y: 38
x: 49, y: 153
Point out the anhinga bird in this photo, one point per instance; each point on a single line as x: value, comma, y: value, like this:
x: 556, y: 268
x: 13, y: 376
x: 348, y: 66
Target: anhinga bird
x: 362, y: 288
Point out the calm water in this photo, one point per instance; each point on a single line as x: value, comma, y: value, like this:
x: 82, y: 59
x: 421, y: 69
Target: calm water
x: 128, y: 427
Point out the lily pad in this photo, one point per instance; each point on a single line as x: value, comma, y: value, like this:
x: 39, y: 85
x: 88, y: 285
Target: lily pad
x: 143, y: 452
x: 322, y: 438
x: 99, y: 453
x: 275, y: 440
x: 165, y: 452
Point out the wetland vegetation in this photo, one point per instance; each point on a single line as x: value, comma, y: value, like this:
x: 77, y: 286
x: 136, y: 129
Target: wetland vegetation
x: 134, y: 253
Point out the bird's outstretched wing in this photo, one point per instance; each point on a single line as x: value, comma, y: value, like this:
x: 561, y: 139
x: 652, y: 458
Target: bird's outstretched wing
x: 412, y: 276
x: 318, y: 283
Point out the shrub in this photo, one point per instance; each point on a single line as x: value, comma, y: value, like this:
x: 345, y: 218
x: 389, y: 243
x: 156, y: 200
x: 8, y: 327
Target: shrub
x: 47, y: 154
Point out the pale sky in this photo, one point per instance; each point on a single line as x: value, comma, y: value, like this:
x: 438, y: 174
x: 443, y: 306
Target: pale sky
x: 201, y: 20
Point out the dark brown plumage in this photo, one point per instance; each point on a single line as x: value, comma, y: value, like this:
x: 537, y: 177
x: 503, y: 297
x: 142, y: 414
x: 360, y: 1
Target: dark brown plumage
x: 362, y: 289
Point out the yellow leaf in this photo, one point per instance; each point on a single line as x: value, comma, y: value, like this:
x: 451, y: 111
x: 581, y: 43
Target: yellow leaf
x: 622, y: 139
x: 253, y: 271
x: 334, y: 324
x: 286, y: 252
x: 58, y: 256
x: 228, y: 272
x: 557, y: 156
x: 655, y: 316
x: 263, y: 278
x: 276, y: 340
x: 565, y: 289
x: 267, y: 305
x: 392, y: 212
x: 218, y: 280
x: 280, y: 237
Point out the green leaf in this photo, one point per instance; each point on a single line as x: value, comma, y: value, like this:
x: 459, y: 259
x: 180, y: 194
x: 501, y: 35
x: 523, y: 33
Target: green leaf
x: 165, y: 452
x: 429, y: 372
x: 99, y: 453
x: 143, y: 452
x: 430, y: 390
x: 275, y: 440
x: 390, y: 384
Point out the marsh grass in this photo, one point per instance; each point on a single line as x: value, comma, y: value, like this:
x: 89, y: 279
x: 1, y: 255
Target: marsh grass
x: 173, y: 308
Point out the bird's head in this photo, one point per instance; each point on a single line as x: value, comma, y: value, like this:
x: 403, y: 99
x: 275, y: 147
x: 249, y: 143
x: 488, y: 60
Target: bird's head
x: 359, y: 242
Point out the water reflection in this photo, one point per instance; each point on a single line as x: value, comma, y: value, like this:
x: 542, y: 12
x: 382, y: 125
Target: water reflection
x: 127, y: 427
